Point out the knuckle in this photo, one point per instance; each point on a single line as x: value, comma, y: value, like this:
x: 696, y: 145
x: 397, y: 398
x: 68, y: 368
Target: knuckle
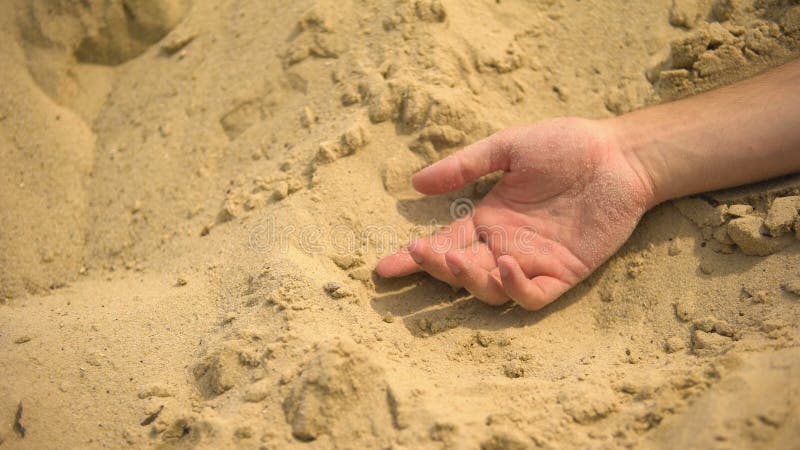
x: 464, y: 169
x: 506, y: 139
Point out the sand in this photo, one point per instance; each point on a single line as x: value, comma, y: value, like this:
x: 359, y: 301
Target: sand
x: 194, y: 195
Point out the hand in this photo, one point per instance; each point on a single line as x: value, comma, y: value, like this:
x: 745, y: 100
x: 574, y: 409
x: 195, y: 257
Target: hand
x: 569, y: 198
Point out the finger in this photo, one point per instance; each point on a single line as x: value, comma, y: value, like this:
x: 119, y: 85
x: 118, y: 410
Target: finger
x: 459, y: 233
x: 470, y: 270
x: 472, y: 162
x: 397, y: 264
x: 536, y: 254
x: 431, y: 261
x: 532, y: 294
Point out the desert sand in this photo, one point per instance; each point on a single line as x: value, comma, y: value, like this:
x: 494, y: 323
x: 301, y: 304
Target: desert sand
x: 194, y: 195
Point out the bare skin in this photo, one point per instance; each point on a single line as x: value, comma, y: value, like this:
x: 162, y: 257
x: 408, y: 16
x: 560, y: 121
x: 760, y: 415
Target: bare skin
x: 574, y: 189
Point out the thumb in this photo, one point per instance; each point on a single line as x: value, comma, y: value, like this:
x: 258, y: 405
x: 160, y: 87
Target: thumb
x: 468, y: 164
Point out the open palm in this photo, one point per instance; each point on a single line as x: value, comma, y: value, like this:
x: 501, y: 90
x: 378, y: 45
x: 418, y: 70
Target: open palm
x: 568, y: 199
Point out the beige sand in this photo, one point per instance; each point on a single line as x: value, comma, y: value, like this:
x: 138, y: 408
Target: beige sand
x: 193, y: 197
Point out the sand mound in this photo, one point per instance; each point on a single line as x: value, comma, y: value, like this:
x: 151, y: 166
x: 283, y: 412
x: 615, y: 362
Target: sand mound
x: 737, y: 41
x: 195, y: 195
x: 341, y: 393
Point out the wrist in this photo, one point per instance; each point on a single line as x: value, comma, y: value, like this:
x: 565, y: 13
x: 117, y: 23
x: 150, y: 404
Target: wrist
x: 639, y: 155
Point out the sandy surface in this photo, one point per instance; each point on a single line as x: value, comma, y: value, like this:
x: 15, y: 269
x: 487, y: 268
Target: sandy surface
x: 193, y: 197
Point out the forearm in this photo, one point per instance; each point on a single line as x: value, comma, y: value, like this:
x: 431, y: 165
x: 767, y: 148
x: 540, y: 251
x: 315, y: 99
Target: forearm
x: 735, y: 135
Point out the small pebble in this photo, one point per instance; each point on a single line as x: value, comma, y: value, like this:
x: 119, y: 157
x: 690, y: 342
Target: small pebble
x: 331, y: 286
x: 336, y: 289
x: 684, y: 310
x: 740, y: 210
x: 514, y: 370
x: 308, y: 117
x: 674, y: 344
x: 761, y: 297
x: 772, y: 325
x: 792, y: 287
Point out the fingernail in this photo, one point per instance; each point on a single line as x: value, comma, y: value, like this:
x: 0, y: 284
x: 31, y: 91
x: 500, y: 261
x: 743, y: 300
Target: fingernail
x: 504, y: 272
x: 455, y: 269
x: 410, y: 248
